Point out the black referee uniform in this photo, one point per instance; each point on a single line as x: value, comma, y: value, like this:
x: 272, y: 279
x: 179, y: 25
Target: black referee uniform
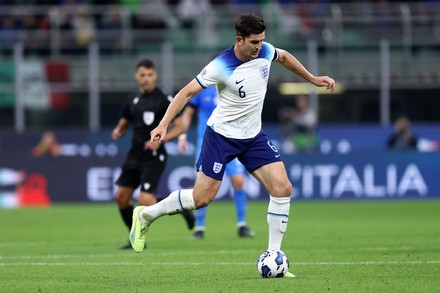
x: 144, y: 167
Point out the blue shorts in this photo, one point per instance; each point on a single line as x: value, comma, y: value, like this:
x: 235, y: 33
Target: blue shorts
x: 234, y: 167
x: 217, y: 151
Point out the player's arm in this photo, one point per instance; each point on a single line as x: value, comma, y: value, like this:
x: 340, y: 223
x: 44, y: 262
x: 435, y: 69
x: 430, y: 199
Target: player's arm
x: 179, y: 128
x: 187, y: 117
x: 176, y: 130
x: 291, y: 63
x: 176, y: 105
x: 120, y: 129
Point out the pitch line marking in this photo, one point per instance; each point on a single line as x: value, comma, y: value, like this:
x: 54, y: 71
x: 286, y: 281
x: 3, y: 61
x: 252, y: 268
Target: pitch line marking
x: 435, y: 262
x: 180, y: 253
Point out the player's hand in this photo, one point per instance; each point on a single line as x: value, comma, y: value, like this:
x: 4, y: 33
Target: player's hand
x: 182, y: 145
x: 151, y: 145
x: 325, y: 81
x: 117, y: 134
x: 158, y: 133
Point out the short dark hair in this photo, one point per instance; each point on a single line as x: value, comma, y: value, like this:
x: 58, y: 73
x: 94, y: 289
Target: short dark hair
x: 147, y: 63
x: 248, y: 24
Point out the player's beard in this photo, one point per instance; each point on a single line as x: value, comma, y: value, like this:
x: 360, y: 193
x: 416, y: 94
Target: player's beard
x: 254, y: 55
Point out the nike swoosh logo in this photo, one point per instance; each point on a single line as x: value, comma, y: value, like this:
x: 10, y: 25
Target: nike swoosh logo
x: 239, y: 81
x: 276, y: 156
x: 284, y: 222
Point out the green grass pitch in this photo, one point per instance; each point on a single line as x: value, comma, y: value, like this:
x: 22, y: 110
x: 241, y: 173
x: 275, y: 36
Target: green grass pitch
x: 380, y: 246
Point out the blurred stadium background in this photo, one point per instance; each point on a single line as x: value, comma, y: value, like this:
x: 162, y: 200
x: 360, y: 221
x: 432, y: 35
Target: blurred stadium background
x: 67, y: 66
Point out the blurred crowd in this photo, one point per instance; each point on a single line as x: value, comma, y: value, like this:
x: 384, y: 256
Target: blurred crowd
x: 173, y: 2
x: 298, y: 124
x: 79, y: 21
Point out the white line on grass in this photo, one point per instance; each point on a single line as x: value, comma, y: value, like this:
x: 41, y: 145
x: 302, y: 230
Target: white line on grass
x: 189, y: 253
x: 211, y: 252
x: 434, y: 262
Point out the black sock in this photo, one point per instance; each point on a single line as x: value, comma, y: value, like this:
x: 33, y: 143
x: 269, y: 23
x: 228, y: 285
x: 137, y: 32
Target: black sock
x: 127, y: 216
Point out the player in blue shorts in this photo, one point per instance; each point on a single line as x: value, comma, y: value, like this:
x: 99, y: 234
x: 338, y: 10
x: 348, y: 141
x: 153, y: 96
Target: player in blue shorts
x: 240, y: 75
x: 204, y: 103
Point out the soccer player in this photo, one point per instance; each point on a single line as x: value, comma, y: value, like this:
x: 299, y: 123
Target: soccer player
x: 146, y: 160
x: 204, y: 103
x: 234, y: 130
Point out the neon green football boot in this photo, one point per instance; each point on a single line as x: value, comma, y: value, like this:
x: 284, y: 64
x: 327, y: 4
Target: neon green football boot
x: 289, y: 275
x: 138, y: 231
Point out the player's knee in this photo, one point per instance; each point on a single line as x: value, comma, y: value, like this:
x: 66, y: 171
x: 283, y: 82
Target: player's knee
x: 123, y: 200
x: 237, y: 182
x: 238, y: 186
x: 202, y: 201
x: 147, y: 199
x: 283, y: 190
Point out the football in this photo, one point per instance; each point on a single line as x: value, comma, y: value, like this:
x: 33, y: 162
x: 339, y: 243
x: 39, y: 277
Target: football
x: 272, y: 263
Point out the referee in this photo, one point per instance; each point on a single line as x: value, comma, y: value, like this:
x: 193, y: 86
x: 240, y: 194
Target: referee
x: 146, y: 160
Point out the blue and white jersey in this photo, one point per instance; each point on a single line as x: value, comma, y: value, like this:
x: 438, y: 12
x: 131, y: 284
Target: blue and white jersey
x: 241, y: 88
x: 205, y: 103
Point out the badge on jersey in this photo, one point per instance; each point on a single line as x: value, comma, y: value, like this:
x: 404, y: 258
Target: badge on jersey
x: 148, y: 117
x: 264, y: 72
x: 217, y: 167
x: 204, y: 71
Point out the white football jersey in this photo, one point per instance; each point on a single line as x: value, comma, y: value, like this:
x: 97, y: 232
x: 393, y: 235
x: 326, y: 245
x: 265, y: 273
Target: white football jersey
x: 241, y: 88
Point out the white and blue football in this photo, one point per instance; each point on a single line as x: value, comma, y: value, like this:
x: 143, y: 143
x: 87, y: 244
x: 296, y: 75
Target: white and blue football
x: 272, y: 263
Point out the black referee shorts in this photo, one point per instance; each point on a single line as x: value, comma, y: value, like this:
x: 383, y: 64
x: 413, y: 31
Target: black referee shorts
x: 145, y: 173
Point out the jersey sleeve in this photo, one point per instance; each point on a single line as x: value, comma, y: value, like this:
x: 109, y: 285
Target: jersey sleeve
x: 269, y: 52
x: 126, y: 113
x: 211, y: 74
x: 276, y: 55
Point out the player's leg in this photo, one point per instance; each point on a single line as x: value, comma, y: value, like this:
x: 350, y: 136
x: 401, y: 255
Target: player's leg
x: 205, y: 190
x: 235, y: 170
x: 240, y: 199
x: 203, y: 193
x: 188, y: 216
x: 127, y: 182
x: 274, y: 178
x: 146, y: 198
x: 280, y: 189
x: 263, y: 161
x: 211, y: 166
x: 124, y: 197
x: 200, y: 215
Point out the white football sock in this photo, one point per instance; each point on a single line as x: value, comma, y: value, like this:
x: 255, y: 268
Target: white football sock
x: 175, y: 203
x: 277, y: 218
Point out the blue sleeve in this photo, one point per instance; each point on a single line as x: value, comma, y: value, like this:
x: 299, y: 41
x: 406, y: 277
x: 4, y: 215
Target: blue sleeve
x: 269, y: 52
x: 195, y: 101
